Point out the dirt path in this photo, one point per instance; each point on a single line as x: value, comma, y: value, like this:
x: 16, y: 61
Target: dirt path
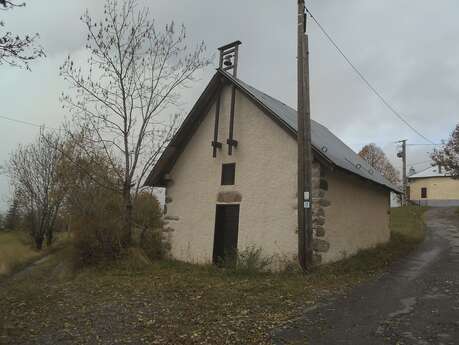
x: 24, y: 271
x: 417, y: 302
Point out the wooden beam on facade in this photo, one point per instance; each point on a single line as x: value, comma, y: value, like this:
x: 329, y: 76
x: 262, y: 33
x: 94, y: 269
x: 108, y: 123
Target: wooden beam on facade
x: 215, y: 144
x: 231, y: 142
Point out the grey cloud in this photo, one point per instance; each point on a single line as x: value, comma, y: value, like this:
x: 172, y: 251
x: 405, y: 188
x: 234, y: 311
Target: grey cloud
x: 407, y: 49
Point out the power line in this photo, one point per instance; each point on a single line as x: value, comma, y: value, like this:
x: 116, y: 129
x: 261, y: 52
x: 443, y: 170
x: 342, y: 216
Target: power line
x: 21, y: 121
x: 366, y: 81
x: 424, y: 144
x: 28, y: 123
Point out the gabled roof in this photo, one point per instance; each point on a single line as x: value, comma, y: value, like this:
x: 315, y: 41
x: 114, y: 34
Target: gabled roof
x: 429, y: 172
x: 325, y: 144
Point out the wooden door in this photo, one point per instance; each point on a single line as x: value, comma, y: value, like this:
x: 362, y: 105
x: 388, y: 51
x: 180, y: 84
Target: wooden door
x: 226, y: 234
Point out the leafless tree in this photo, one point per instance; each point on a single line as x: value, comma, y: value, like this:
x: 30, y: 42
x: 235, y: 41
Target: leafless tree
x: 448, y: 155
x: 376, y: 157
x: 33, y: 170
x: 14, y: 49
x: 124, y: 97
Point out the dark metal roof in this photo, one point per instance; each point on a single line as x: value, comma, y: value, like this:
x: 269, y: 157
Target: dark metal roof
x: 322, y: 139
x: 324, y: 142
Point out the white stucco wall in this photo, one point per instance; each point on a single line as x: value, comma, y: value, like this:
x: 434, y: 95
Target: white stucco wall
x: 265, y: 177
x: 266, y: 159
x: 358, y: 216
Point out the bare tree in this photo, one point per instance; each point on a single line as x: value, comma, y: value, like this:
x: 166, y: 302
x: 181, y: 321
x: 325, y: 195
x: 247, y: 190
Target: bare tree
x: 124, y: 98
x: 376, y: 157
x: 14, y: 49
x: 33, y: 170
x: 448, y: 155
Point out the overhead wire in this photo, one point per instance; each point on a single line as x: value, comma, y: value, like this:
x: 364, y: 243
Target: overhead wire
x: 21, y: 121
x: 366, y: 81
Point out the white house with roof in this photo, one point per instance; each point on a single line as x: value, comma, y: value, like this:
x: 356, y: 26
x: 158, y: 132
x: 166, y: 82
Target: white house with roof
x: 230, y: 175
x: 433, y: 187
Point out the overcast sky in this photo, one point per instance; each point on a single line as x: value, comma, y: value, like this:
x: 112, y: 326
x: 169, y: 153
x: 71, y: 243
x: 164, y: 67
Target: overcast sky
x: 407, y: 48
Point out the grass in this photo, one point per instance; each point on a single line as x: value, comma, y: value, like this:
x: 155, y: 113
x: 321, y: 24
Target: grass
x: 15, y: 251
x: 407, y: 222
x: 175, y: 303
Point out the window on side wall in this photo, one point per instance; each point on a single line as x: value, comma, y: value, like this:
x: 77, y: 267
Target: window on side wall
x: 423, y: 193
x: 228, y: 174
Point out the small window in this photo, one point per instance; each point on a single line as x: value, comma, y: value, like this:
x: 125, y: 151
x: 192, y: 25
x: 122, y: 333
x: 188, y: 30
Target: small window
x: 228, y: 174
x: 423, y: 193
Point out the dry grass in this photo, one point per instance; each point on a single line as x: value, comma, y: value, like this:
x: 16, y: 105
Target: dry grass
x: 134, y: 301
x: 15, y: 251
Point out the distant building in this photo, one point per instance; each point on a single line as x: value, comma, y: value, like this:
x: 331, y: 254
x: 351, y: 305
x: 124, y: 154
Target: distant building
x: 230, y: 175
x: 433, y: 187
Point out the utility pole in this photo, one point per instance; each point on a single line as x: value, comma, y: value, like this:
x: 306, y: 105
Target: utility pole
x: 402, y: 155
x: 304, y: 145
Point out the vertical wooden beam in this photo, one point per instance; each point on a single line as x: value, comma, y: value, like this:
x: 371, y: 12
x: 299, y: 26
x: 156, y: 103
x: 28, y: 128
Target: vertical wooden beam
x: 236, y: 60
x: 215, y: 144
x: 231, y: 142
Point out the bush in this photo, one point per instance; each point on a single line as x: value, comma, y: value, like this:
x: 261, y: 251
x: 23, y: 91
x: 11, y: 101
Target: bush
x: 147, y: 215
x: 93, y: 206
x: 95, y: 212
x: 97, y: 230
x: 153, y: 245
x: 251, y: 260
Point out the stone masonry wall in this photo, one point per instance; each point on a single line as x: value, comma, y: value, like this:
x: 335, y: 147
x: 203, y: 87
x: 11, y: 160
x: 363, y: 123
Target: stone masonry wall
x: 319, y: 208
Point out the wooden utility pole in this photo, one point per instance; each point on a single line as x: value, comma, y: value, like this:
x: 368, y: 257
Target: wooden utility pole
x: 304, y: 146
x: 402, y: 155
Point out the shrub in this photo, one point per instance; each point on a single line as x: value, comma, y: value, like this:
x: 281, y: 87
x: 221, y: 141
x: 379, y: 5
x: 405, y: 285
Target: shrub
x: 95, y: 212
x: 251, y: 260
x: 147, y: 215
x: 97, y: 229
x: 153, y: 245
x: 93, y: 207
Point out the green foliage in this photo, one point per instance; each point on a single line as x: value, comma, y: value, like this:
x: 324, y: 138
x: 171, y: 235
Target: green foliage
x: 407, y: 222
